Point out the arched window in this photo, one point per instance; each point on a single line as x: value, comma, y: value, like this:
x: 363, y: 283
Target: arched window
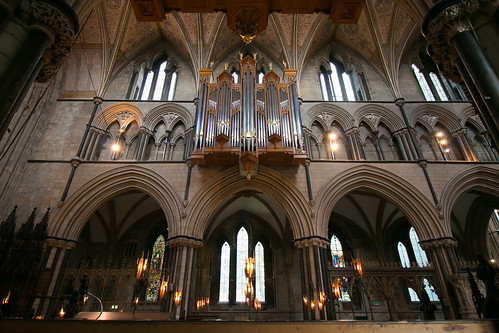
x: 404, y: 257
x: 259, y: 273
x: 241, y: 255
x: 412, y: 294
x: 155, y: 270
x: 419, y: 253
x: 337, y: 252
x: 432, y: 295
x: 336, y: 84
x: 434, y: 86
x: 154, y: 84
x: 224, y: 273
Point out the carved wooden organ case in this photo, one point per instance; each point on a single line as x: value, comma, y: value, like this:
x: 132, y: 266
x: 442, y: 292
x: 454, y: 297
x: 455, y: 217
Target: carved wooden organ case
x: 248, y: 123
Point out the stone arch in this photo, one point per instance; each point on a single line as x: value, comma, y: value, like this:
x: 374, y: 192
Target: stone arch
x: 77, y: 209
x: 418, y: 209
x: 468, y: 115
x: 480, y: 178
x: 326, y: 113
x: 446, y: 117
x: 124, y: 113
x: 170, y: 113
x: 388, y: 117
x: 208, y: 199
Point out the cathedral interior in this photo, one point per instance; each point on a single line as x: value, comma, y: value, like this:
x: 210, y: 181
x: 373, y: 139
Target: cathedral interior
x: 263, y: 160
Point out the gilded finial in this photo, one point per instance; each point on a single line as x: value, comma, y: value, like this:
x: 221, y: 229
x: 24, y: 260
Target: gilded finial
x: 270, y: 65
x: 254, y: 55
x: 240, y: 56
x: 211, y: 64
x: 226, y: 65
x: 284, y: 63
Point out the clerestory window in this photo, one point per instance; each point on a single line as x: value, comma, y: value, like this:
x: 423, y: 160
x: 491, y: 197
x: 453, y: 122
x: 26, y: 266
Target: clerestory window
x: 156, y: 84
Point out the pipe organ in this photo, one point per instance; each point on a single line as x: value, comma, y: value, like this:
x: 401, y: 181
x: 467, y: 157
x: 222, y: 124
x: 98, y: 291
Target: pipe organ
x: 248, y: 123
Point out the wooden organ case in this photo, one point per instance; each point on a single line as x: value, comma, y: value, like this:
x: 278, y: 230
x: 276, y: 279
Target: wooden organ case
x: 248, y: 123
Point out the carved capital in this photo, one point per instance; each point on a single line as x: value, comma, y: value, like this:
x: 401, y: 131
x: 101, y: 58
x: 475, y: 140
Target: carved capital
x: 437, y: 243
x: 311, y: 241
x: 184, y: 241
x: 60, y: 23
x: 446, y: 19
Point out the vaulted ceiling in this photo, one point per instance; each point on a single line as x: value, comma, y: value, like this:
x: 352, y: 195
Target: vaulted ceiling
x: 381, y: 35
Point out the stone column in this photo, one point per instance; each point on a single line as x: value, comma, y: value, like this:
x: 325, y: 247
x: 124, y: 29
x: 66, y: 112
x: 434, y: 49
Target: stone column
x: 465, y: 146
x: 32, y: 50
x: 403, y: 147
x: 54, y: 262
x: 448, y: 28
x: 314, y: 261
x: 182, y: 257
x: 442, y: 255
x: 352, y: 135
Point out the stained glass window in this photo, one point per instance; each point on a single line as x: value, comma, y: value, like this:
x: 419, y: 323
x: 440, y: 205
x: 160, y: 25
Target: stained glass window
x: 432, y: 295
x: 412, y: 294
x: 259, y: 273
x: 337, y: 252
x: 404, y: 257
x: 419, y: 253
x: 224, y: 273
x: 241, y: 255
x: 157, y: 258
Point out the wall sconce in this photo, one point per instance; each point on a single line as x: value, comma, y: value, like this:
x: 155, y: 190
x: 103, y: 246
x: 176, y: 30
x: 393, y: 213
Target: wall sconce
x: 62, y: 313
x: 250, y: 267
x: 164, y: 287
x: 442, y: 143
x: 357, y: 266
x: 250, y: 291
x: 336, y: 288
x: 305, y: 300
x: 141, y: 266
x: 312, y: 305
x: 258, y: 305
x: 177, y: 297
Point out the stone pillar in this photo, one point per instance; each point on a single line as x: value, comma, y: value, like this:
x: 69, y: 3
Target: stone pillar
x: 180, y: 268
x: 448, y: 29
x: 32, y: 47
x: 54, y: 262
x: 402, y: 145
x: 314, y: 261
x: 352, y: 135
x: 465, y: 146
x: 442, y: 255
x: 319, y: 148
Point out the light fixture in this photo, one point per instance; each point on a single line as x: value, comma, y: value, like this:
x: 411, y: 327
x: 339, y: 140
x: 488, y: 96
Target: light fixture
x: 164, y: 287
x: 312, y: 305
x: 305, y: 300
x: 439, y: 134
x: 62, y: 313
x: 336, y: 288
x: 357, y: 266
x: 141, y: 266
x: 115, y: 147
x: 177, y: 297
x: 258, y: 305
x: 250, y: 266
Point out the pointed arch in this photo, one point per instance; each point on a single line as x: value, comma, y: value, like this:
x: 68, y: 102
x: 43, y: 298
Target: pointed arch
x: 215, y: 192
x: 415, y: 205
x: 446, y: 117
x: 124, y: 113
x: 326, y: 114
x: 379, y: 114
x: 83, y: 202
x: 171, y: 114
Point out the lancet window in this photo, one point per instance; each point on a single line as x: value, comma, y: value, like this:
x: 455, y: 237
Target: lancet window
x: 156, y: 269
x: 157, y: 83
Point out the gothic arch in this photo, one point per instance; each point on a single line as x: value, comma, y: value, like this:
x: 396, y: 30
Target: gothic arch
x: 418, y: 209
x: 77, y: 209
x: 124, y: 113
x: 170, y: 113
x: 386, y: 116
x: 480, y: 178
x: 444, y: 116
x: 205, y: 203
x: 326, y: 113
x: 468, y: 115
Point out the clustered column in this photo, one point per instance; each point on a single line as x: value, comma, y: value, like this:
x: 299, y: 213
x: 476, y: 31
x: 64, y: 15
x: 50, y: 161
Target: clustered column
x: 182, y: 256
x: 33, y: 43
x: 449, y: 28
x: 443, y: 257
x: 316, y: 286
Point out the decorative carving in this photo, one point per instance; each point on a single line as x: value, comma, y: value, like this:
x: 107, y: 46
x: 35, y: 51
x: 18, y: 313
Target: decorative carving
x: 184, y: 241
x: 312, y: 241
x: 436, y: 243
x: 61, y: 22
x: 169, y: 118
x: 430, y: 120
x: 373, y: 119
x: 327, y: 119
x: 440, y: 28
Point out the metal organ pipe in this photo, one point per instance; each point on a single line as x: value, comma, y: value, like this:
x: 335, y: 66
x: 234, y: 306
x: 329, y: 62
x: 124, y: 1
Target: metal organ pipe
x: 200, y: 113
x: 295, y: 110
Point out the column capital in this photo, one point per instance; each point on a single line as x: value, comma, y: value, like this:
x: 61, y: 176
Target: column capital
x: 56, y: 19
x: 66, y: 244
x: 438, y: 242
x: 311, y: 241
x: 399, y: 101
x: 186, y: 241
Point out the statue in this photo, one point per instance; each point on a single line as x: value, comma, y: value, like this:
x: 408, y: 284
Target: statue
x: 226, y: 65
x: 487, y: 274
